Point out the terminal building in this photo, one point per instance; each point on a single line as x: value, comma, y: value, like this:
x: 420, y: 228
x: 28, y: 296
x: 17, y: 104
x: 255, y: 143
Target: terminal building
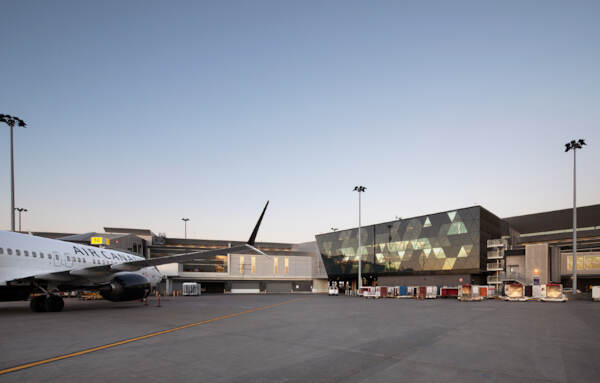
x: 469, y: 245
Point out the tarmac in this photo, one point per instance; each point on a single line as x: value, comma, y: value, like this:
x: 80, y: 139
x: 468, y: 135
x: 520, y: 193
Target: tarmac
x: 301, y: 338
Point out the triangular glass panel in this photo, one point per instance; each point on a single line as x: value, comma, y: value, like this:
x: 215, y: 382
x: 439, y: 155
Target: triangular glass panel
x: 451, y: 215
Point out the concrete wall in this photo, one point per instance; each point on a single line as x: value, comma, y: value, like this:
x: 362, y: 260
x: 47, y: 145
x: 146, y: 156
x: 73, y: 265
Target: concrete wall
x: 537, y: 258
x: 515, y: 260
x: 555, y: 266
x: 299, y: 267
x: 320, y: 286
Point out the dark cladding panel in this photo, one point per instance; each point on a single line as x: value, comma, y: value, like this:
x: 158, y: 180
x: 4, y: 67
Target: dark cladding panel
x: 441, y: 242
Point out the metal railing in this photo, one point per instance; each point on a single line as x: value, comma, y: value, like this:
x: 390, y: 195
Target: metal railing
x: 508, y: 276
x: 495, y: 266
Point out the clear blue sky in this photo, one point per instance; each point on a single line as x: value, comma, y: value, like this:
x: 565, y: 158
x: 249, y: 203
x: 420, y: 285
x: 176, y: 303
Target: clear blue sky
x: 143, y: 112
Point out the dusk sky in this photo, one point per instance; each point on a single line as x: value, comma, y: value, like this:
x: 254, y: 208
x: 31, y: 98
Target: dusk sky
x: 144, y: 112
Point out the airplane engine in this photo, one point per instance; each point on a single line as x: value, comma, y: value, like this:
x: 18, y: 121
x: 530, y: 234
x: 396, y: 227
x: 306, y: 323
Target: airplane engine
x: 126, y: 287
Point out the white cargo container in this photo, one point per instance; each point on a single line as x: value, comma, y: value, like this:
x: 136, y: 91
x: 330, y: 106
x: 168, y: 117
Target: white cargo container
x: 191, y: 288
x: 553, y: 293
x: 537, y: 291
x: 596, y: 293
x: 431, y: 292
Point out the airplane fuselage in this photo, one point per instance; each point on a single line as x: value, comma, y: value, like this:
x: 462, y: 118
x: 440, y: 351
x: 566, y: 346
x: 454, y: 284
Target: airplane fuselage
x: 25, y: 256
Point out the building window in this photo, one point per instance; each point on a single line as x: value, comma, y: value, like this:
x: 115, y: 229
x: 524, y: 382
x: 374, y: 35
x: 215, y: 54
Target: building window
x: 241, y: 264
x: 275, y: 265
x: 287, y: 265
x: 253, y: 264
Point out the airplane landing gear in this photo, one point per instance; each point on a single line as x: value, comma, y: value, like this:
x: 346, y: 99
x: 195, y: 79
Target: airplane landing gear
x: 38, y: 304
x: 49, y: 303
x: 54, y: 303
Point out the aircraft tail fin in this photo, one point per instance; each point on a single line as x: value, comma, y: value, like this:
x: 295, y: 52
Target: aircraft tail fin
x: 255, y: 231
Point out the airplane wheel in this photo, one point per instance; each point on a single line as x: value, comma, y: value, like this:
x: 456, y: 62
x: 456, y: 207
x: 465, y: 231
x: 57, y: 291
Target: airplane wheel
x: 54, y: 303
x: 38, y: 304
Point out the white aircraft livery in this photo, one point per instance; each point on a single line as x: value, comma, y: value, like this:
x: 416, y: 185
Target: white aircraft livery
x: 31, y: 264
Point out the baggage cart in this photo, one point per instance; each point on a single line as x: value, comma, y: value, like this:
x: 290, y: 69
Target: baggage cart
x: 514, y: 292
x: 554, y: 293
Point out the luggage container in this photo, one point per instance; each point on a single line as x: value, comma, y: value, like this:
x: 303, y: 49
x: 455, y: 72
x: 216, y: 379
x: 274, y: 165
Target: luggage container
x: 554, y: 293
x: 475, y: 291
x: 483, y: 291
x: 403, y: 291
x: 537, y: 292
x: 449, y: 292
x: 469, y: 293
x: 392, y: 292
x: 431, y: 292
x: 514, y: 292
x: 596, y: 293
x: 191, y: 288
x: 381, y: 292
x: 422, y: 292
x: 369, y: 292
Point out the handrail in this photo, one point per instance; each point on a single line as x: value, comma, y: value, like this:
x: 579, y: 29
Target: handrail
x: 508, y: 276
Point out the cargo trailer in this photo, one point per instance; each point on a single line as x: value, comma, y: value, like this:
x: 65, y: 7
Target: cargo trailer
x: 469, y: 293
x: 596, y: 293
x: 554, y: 293
x: 514, y: 292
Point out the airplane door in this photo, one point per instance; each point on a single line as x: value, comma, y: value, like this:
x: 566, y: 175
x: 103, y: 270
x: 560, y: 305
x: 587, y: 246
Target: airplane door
x: 56, y: 257
x: 68, y: 259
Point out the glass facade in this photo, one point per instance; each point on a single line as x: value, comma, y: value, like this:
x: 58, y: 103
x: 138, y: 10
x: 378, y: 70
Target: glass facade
x: 214, y: 264
x: 453, y: 241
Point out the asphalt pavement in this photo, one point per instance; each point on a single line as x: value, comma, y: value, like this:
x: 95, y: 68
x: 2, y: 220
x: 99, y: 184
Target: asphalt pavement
x: 302, y: 338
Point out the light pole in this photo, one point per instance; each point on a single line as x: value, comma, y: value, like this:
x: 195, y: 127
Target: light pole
x: 574, y: 145
x: 20, y: 210
x: 185, y: 221
x: 359, y: 189
x: 12, y: 121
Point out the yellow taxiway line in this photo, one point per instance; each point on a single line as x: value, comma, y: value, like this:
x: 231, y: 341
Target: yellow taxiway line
x: 125, y: 341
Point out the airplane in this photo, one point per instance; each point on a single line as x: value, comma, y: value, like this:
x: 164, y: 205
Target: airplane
x: 31, y: 264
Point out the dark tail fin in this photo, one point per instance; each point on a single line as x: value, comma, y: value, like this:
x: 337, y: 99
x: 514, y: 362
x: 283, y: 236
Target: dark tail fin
x: 255, y: 231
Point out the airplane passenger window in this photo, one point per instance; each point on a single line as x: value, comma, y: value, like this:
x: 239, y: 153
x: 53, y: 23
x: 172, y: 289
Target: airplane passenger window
x: 34, y: 254
x: 9, y: 251
x: 41, y: 255
x: 18, y: 252
x: 56, y: 256
x: 68, y: 258
x: 26, y: 253
x: 1, y: 250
